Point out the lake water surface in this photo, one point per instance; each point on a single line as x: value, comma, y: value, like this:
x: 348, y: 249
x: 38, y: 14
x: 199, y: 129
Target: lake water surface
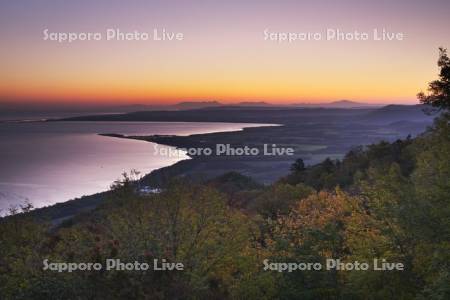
x: 49, y: 162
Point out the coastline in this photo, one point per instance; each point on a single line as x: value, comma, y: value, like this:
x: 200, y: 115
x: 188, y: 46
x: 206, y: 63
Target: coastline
x: 314, y: 138
x: 203, y: 167
x: 61, y: 211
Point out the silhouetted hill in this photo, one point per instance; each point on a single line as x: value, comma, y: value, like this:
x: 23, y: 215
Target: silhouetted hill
x: 195, y: 105
x: 337, y: 104
x: 349, y: 104
x: 259, y: 103
x: 237, y: 114
x: 275, y: 115
x: 396, y: 113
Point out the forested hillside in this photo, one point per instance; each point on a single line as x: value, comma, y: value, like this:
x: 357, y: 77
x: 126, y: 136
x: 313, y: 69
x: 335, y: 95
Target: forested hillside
x: 388, y: 201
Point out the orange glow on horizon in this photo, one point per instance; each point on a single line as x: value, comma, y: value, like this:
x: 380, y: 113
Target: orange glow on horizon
x: 226, y: 59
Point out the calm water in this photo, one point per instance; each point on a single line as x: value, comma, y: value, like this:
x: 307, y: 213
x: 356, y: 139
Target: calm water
x: 47, y: 163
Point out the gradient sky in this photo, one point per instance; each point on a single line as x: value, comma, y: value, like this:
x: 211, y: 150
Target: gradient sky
x: 223, y: 55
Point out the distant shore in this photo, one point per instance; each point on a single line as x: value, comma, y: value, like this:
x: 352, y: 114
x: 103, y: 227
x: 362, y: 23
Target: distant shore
x: 314, y: 134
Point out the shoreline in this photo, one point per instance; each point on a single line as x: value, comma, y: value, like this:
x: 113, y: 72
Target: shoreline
x: 313, y: 136
x: 198, y: 165
x: 84, y: 203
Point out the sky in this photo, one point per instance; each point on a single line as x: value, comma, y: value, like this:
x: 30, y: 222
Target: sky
x: 224, y: 54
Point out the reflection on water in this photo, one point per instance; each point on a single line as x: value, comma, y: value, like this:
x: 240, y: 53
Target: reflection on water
x: 54, y: 162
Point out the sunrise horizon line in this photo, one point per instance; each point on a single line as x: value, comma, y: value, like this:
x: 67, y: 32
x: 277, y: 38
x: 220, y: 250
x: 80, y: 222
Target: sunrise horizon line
x: 131, y: 102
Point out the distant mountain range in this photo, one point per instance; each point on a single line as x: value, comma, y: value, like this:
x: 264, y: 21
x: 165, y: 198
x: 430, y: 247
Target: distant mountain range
x: 34, y: 111
x: 338, y: 104
x: 208, y: 104
x: 273, y: 114
x: 187, y: 105
x: 177, y: 106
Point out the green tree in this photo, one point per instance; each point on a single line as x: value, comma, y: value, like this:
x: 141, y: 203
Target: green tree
x: 298, y: 166
x: 277, y: 199
x: 439, y: 96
